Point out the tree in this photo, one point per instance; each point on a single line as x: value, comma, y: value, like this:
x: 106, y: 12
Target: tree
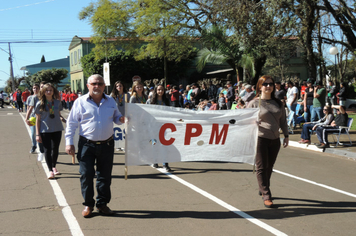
x: 221, y: 48
x: 258, y: 25
x: 123, y: 67
x: 43, y: 59
x: 53, y: 76
x: 343, y: 11
x: 154, y: 28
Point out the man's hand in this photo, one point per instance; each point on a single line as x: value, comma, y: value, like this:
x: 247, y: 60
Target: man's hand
x: 70, y: 149
x: 122, y: 119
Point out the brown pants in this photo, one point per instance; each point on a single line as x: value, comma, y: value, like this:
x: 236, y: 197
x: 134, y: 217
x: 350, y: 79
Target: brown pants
x: 267, y: 151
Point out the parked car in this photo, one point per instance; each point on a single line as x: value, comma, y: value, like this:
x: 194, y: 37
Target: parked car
x: 350, y: 103
x: 6, y: 98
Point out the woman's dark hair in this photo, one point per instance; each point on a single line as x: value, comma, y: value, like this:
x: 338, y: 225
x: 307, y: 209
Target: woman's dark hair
x: 259, y: 85
x: 114, y: 92
x: 154, y: 99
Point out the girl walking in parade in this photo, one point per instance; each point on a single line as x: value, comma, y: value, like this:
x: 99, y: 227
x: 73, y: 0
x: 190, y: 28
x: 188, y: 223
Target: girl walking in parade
x: 49, y: 125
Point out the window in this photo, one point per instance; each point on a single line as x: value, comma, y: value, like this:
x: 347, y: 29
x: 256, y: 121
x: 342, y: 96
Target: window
x: 75, y: 57
x: 79, y: 55
x: 71, y: 58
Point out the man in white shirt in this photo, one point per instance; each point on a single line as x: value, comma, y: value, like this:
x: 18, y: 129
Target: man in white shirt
x: 94, y: 114
x: 292, y: 98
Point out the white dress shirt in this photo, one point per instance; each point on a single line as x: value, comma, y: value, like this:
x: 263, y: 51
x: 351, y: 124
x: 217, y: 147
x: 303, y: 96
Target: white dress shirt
x: 95, y: 122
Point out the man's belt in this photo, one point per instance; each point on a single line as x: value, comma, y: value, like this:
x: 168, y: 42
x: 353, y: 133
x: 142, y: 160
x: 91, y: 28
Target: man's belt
x: 96, y: 142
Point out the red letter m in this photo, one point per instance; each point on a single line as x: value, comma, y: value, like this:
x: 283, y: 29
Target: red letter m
x: 215, y: 132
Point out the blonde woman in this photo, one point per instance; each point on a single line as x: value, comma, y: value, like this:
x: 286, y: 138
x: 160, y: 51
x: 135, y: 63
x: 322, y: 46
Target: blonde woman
x: 49, y: 126
x: 138, y: 95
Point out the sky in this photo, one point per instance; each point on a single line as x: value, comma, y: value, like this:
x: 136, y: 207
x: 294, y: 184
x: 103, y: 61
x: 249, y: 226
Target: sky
x: 38, y: 20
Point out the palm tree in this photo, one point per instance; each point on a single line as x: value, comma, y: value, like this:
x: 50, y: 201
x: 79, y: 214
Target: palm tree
x: 222, y: 48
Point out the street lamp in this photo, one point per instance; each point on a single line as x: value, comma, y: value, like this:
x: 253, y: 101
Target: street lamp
x: 334, y: 51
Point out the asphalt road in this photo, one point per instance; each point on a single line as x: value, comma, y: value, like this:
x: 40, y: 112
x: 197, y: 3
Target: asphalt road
x: 315, y: 194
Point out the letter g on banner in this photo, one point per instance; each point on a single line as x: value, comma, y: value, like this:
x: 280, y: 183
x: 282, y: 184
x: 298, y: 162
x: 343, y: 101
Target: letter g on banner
x: 119, y: 134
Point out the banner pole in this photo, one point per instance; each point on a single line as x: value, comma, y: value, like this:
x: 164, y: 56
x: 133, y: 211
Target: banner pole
x: 73, y: 159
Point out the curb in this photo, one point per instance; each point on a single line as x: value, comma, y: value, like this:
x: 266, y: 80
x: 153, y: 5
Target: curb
x: 343, y: 153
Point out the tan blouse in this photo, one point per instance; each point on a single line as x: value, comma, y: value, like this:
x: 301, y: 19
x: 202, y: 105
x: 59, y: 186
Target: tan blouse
x: 272, y: 118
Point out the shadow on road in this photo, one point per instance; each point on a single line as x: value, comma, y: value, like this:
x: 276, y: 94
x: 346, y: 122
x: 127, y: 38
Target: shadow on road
x: 302, y: 207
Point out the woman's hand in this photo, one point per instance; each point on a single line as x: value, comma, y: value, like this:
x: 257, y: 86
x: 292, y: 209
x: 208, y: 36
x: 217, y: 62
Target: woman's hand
x: 28, y: 123
x: 305, y: 109
x: 285, y: 142
x: 38, y: 139
x: 314, y: 127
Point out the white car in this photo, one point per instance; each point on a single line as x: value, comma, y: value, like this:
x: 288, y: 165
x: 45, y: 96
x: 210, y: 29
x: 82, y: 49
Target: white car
x: 6, y: 98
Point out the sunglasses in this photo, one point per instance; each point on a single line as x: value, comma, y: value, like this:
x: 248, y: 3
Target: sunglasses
x: 95, y: 84
x: 266, y: 84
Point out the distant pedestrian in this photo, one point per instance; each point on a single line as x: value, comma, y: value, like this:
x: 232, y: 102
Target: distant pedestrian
x: 1, y: 99
x: 159, y: 98
x: 32, y: 101
x: 24, y: 97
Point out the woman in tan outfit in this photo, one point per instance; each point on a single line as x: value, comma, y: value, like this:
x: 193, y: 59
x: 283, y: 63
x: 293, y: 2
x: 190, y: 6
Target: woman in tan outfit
x: 272, y: 117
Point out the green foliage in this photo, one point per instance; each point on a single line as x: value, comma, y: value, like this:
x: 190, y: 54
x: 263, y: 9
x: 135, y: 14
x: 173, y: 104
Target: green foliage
x: 221, y: 48
x: 123, y: 66
x: 53, y: 76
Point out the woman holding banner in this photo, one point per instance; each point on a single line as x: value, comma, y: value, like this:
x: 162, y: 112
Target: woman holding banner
x: 159, y: 98
x: 272, y: 117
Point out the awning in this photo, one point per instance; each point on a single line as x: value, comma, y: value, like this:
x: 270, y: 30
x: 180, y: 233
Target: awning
x: 219, y: 71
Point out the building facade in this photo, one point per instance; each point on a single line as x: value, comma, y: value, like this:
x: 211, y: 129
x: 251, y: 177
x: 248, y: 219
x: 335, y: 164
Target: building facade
x: 58, y: 64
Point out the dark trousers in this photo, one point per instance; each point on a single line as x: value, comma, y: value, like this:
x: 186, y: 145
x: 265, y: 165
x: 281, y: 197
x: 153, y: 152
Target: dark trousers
x: 175, y: 103
x: 103, y: 155
x: 2, y: 103
x: 19, y: 105
x: 51, y: 143
x: 322, y: 133
x: 267, y: 151
x: 229, y: 104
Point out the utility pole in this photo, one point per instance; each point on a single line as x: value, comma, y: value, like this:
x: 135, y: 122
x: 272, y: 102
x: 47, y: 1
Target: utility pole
x: 11, y: 70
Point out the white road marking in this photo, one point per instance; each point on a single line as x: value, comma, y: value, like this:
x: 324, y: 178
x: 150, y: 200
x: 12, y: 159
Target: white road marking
x: 224, y: 204
x: 315, y: 183
x: 72, y: 222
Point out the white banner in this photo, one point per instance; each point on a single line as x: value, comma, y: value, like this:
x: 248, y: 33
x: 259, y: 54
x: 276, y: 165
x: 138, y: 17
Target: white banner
x: 157, y: 134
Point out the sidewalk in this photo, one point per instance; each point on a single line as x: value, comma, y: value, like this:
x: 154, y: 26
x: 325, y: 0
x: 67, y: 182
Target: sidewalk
x: 343, y: 151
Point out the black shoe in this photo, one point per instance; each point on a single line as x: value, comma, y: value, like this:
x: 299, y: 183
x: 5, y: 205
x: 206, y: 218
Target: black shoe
x: 33, y: 149
x: 259, y: 193
x: 155, y: 165
x: 166, y: 168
